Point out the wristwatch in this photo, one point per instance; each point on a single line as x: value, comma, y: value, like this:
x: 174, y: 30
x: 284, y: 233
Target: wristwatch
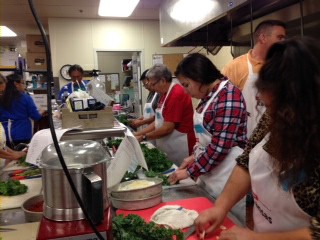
x: 144, y: 138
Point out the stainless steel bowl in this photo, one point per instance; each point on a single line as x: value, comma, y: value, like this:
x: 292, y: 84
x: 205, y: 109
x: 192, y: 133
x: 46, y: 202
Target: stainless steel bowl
x: 136, y: 204
x: 137, y: 194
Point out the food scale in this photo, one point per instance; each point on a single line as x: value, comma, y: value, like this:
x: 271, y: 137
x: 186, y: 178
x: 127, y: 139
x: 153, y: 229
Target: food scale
x: 80, y: 229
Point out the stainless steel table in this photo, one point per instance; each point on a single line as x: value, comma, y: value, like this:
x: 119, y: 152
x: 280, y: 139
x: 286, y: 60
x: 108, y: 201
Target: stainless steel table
x: 16, y: 215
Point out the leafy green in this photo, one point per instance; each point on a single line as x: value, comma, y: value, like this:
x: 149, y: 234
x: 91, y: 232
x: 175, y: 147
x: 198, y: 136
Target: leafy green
x: 156, y: 160
x: 153, y: 174
x: 133, y: 227
x: 123, y: 119
x: 30, y: 172
x: 12, y: 188
x: 22, y: 162
x: 130, y: 176
x: 114, y: 142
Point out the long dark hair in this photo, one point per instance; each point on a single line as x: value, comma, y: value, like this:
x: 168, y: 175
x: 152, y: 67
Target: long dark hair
x: 291, y: 75
x: 11, y: 92
x: 199, y: 68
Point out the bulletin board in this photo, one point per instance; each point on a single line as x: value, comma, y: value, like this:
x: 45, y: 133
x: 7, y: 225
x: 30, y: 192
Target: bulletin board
x: 170, y: 60
x: 112, y: 82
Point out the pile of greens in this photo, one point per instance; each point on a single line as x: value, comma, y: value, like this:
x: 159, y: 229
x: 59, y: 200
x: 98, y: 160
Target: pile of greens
x: 123, y: 119
x: 153, y: 174
x: 12, y: 188
x: 133, y: 227
x: 156, y: 160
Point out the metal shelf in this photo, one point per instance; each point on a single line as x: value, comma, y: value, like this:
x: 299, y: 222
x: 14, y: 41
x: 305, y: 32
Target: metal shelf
x: 94, y: 134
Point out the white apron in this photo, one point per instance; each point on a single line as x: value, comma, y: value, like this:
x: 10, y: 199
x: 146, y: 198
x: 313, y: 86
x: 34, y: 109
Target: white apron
x: 249, y: 93
x: 2, y: 144
x: 274, y: 208
x: 79, y: 85
x: 175, y: 145
x: 213, y: 182
x: 148, y: 111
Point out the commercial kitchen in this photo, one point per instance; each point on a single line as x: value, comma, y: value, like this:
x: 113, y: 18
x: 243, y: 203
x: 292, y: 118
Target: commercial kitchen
x: 114, y: 52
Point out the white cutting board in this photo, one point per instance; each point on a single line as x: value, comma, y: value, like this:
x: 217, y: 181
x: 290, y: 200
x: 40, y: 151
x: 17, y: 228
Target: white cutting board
x: 34, y: 188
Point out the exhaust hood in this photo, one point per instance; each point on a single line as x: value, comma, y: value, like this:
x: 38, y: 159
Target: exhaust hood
x: 230, y: 22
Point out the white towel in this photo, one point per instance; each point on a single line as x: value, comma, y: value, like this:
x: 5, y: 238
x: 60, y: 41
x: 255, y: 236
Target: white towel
x: 174, y: 216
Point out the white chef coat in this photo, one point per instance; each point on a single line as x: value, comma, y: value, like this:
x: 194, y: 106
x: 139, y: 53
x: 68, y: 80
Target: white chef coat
x: 275, y: 209
x: 249, y: 93
x: 214, y: 181
x: 175, y: 145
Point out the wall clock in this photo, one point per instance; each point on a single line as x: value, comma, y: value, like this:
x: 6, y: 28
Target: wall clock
x: 64, y: 72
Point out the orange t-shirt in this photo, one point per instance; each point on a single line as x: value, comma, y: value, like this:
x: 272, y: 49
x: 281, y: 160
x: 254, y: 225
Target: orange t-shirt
x: 237, y: 70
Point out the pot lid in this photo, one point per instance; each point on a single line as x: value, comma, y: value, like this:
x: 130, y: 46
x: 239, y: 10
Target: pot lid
x: 77, y: 154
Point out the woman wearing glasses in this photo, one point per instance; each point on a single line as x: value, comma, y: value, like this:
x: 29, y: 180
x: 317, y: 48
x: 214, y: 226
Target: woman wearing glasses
x: 172, y: 128
x: 149, y: 107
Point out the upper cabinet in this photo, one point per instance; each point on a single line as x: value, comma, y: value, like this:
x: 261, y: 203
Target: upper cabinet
x: 230, y: 22
x: 178, y: 18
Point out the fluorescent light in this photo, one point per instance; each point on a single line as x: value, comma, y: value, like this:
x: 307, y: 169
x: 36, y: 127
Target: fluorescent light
x: 191, y: 11
x: 6, y: 32
x: 117, y: 8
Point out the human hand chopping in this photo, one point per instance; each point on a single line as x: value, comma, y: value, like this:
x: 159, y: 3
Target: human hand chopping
x: 181, y: 172
x: 208, y: 221
x: 237, y: 233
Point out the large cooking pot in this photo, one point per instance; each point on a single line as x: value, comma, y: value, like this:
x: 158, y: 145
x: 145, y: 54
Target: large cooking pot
x: 86, y: 161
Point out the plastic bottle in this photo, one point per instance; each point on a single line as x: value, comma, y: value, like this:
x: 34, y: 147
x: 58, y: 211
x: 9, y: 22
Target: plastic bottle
x: 65, y: 94
x: 34, y: 82
x: 56, y: 115
x: 97, y: 89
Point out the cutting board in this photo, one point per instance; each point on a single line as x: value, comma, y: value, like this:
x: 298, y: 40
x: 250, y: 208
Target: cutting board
x: 13, y: 165
x: 199, y: 204
x: 34, y: 188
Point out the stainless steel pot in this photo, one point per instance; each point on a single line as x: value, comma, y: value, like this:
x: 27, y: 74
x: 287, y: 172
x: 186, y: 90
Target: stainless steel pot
x: 86, y: 161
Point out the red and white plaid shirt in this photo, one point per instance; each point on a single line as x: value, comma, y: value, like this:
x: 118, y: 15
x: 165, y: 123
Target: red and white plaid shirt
x: 226, y: 119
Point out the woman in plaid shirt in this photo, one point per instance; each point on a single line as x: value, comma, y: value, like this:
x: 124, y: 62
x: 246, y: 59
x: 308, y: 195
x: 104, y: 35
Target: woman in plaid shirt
x: 220, y: 122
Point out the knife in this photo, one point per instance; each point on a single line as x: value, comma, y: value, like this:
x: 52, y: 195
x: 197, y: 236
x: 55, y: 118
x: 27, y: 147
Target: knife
x: 189, y: 232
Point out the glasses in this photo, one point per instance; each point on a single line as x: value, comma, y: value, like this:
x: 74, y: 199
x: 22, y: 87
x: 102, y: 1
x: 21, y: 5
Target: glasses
x: 185, y: 84
x: 145, y: 83
x: 153, y: 84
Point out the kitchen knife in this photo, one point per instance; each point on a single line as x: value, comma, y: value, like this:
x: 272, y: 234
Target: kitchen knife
x: 189, y: 232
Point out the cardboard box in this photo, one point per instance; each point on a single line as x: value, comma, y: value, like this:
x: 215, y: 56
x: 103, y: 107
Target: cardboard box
x: 40, y: 101
x: 36, y: 61
x: 35, y: 44
x: 88, y: 119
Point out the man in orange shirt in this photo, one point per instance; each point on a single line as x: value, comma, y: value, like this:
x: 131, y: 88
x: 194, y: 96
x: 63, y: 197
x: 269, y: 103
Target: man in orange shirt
x: 243, y: 70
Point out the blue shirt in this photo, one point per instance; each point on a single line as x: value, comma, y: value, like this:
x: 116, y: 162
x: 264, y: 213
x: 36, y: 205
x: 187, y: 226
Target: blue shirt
x: 68, y: 88
x: 22, y: 110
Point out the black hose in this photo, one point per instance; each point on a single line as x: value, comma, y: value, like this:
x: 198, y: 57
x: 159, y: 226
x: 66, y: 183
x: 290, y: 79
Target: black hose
x: 53, y: 133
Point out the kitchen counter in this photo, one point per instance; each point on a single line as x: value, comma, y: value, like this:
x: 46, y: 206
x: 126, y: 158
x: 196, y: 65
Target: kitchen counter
x: 15, y: 219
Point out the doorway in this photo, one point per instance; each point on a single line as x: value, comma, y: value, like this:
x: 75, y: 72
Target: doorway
x: 121, y: 71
